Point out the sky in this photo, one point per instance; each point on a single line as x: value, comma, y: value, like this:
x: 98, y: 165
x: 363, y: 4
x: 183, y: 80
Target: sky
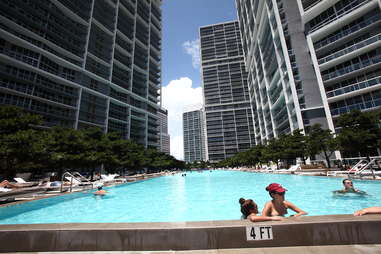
x: 181, y: 77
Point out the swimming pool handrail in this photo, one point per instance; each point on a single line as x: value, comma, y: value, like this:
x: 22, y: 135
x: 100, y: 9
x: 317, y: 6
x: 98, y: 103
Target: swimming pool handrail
x: 367, y: 166
x: 67, y: 173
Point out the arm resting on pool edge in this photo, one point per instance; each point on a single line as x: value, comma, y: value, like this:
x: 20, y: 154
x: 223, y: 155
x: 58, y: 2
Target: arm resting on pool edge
x: 257, y: 218
x: 368, y: 210
x: 299, y: 212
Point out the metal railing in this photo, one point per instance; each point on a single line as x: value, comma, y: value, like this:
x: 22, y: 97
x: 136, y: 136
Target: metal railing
x: 351, y: 68
x: 346, y: 32
x: 354, y: 87
x: 350, y: 49
x: 75, y: 177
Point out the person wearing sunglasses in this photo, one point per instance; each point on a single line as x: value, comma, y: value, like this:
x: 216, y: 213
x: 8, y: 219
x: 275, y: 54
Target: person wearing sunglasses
x: 348, y: 188
x: 278, y: 206
x: 249, y: 210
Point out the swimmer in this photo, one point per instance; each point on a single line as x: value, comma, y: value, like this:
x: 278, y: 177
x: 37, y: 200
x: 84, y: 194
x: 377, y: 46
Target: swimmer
x: 249, y: 210
x: 100, y: 191
x: 278, y: 205
x: 348, y: 188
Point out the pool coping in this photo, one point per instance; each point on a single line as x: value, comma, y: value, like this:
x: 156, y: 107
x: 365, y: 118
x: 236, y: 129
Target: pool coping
x: 202, y: 235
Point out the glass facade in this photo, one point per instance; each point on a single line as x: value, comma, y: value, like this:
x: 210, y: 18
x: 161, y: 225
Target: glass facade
x: 346, y: 41
x: 163, y: 131
x: 309, y: 61
x: 84, y: 63
x: 228, y: 116
x: 194, y: 135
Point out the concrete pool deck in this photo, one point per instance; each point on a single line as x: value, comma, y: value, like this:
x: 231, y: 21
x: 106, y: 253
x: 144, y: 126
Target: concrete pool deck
x: 346, y: 231
x: 332, y: 249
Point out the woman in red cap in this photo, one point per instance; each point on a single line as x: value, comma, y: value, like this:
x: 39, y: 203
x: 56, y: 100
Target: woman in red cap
x: 278, y: 206
x: 249, y: 210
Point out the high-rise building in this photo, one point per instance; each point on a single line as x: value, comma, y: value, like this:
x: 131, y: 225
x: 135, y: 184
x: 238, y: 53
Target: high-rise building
x: 228, y: 116
x: 194, y: 133
x: 310, y: 61
x: 344, y: 38
x: 84, y: 63
x: 163, y: 131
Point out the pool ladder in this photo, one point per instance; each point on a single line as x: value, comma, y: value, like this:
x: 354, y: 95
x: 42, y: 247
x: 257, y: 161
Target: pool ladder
x: 75, y: 177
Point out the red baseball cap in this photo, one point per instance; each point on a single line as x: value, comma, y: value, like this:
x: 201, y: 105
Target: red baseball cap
x: 275, y: 187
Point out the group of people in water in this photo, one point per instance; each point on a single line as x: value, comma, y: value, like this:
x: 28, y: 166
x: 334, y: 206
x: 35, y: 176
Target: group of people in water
x: 276, y: 209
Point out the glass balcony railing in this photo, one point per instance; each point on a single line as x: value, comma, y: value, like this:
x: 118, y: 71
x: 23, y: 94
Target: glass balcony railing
x: 353, y: 67
x: 348, y: 8
x: 359, y: 106
x: 348, y: 31
x: 311, y: 5
x: 354, y: 87
x: 350, y: 49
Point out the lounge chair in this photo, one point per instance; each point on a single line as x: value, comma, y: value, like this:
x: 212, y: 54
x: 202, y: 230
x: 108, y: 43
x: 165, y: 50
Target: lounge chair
x: 2, y: 189
x: 291, y: 170
x: 22, y: 183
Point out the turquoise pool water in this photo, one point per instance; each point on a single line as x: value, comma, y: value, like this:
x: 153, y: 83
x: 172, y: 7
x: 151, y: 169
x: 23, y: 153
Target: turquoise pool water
x: 196, y: 197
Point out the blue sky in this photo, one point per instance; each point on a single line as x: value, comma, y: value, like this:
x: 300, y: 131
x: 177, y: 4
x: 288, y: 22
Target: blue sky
x: 181, y: 79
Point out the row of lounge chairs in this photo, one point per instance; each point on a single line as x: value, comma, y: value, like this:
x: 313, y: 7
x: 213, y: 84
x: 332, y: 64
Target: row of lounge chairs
x: 273, y: 169
x: 20, y: 189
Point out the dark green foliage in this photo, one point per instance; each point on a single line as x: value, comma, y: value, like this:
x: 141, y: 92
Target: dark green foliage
x: 25, y: 147
x: 321, y: 141
x: 21, y: 144
x: 359, y: 132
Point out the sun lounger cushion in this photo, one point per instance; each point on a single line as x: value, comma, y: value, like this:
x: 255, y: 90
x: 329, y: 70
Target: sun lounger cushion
x: 19, y: 180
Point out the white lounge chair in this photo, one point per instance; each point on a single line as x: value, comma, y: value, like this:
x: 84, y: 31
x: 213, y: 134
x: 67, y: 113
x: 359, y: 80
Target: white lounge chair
x: 2, y: 189
x: 22, y: 183
x: 292, y: 169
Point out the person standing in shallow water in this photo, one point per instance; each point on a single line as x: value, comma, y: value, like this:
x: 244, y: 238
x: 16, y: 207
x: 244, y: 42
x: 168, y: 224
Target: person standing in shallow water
x: 278, y: 205
x: 249, y: 210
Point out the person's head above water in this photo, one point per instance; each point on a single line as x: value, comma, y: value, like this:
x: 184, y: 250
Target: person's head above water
x: 248, y: 206
x: 100, y: 187
x: 275, y: 189
x: 348, y: 184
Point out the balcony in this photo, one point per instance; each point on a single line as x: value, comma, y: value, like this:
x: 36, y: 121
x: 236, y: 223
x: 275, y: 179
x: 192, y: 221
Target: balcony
x: 338, y: 14
x: 360, y: 106
x: 350, y: 49
x: 349, y: 69
x: 354, y: 87
x: 347, y: 32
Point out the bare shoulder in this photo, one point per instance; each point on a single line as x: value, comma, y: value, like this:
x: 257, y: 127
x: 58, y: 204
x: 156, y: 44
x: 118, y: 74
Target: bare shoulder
x: 288, y: 203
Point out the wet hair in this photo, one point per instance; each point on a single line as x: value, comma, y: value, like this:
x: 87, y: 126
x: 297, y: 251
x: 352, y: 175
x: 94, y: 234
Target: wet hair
x: 246, y: 206
x: 100, y: 187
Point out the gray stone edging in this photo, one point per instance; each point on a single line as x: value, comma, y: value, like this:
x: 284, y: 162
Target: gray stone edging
x: 302, y: 231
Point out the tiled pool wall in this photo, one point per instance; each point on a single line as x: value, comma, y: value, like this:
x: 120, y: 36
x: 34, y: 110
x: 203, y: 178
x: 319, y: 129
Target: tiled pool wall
x: 301, y: 231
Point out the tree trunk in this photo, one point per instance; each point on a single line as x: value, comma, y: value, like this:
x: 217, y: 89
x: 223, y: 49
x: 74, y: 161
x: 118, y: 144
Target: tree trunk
x: 327, y: 159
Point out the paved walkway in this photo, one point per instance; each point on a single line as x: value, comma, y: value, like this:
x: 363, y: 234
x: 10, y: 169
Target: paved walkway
x: 331, y: 249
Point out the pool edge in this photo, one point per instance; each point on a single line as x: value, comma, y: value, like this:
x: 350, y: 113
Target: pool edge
x: 302, y: 231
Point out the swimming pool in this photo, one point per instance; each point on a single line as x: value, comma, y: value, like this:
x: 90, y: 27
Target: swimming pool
x: 195, y: 197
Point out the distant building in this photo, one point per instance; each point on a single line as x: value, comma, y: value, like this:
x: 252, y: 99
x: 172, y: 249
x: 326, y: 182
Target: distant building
x: 194, y: 134
x: 228, y: 116
x: 82, y: 63
x: 163, y: 131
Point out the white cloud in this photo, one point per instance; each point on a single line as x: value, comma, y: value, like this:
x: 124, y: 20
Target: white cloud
x: 176, y: 95
x: 192, y: 48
